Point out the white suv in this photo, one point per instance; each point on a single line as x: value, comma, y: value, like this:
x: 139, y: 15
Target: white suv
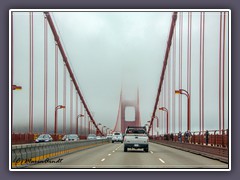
x: 117, y: 137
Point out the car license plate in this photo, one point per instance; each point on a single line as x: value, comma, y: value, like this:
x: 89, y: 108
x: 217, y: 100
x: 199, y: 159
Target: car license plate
x: 136, y: 145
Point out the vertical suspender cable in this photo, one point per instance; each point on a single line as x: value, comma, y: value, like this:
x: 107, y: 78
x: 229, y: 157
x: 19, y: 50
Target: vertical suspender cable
x: 201, y: 81
x: 203, y: 71
x: 189, y: 44
x: 56, y: 75
x: 169, y: 91
x: 220, y: 69
x: 85, y: 125
x: 76, y: 113
x: 31, y: 74
x: 81, y: 125
x: 180, y: 68
x: 173, y: 80
x: 45, y: 72
x: 200, y: 77
x: 12, y: 69
x: 64, y: 98
x: 71, y: 105
x: 223, y: 65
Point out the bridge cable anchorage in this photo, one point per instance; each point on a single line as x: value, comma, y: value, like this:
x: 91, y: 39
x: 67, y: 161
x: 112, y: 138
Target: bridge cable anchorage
x: 65, y: 59
x: 173, y: 23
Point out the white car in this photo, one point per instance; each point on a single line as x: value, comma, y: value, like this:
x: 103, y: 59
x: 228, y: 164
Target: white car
x: 117, y: 137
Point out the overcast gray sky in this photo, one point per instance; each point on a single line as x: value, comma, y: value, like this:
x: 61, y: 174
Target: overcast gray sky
x: 108, y: 50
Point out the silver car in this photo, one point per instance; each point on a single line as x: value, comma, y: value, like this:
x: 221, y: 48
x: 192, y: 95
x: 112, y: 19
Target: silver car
x: 91, y: 137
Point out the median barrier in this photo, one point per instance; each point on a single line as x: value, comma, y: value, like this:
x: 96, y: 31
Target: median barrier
x: 28, y: 154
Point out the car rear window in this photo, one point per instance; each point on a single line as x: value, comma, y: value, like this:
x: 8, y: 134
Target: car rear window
x: 116, y: 133
x: 136, y: 131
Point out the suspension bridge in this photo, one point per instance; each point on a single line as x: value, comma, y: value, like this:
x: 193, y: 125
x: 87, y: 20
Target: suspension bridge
x: 47, y: 98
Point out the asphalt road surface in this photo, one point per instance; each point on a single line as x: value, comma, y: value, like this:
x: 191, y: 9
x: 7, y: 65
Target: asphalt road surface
x: 113, y: 156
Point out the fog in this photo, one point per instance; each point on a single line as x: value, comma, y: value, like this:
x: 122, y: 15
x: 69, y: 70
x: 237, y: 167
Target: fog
x: 110, y: 51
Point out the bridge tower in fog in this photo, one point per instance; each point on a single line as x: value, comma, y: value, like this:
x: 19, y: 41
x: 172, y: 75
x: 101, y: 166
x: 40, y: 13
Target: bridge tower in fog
x: 122, y: 123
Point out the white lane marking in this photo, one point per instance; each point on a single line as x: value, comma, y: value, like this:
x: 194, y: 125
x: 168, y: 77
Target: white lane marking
x: 161, y: 160
x: 109, y: 154
x: 103, y: 159
x: 113, y: 151
x: 94, y: 167
x: 151, y: 152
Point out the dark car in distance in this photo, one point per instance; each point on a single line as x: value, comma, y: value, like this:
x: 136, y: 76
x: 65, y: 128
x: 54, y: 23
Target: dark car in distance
x: 44, y: 138
x: 70, y: 137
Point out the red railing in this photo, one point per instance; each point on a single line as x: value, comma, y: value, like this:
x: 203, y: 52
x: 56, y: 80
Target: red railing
x: 215, y: 138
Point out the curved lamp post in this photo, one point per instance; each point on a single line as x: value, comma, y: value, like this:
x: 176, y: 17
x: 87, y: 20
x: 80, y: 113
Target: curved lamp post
x: 97, y: 131
x: 155, y: 117
x: 14, y: 87
x: 102, y: 129
x: 78, y: 116
x: 55, y: 121
x: 182, y: 91
x: 166, y: 110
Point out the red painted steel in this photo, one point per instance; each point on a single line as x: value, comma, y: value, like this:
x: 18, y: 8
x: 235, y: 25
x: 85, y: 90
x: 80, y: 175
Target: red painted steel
x: 76, y: 113
x: 169, y: 92
x: 65, y: 59
x: 81, y: 124
x: 129, y: 103
x: 223, y: 63
x: 71, y: 106
x: 220, y: 70
x: 31, y: 73
x: 64, y: 98
x: 180, y: 68
x: 56, y: 76
x: 167, y: 120
x: 45, y: 72
x: 173, y: 80
x: 189, y: 44
x: 12, y: 69
x: 169, y: 42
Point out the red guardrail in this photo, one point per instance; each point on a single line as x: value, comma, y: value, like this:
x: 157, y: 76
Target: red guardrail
x: 215, y: 138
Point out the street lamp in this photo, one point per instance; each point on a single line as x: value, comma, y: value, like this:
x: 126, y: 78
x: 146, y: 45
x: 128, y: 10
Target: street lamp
x: 102, y: 129
x: 166, y: 110
x: 182, y: 91
x: 106, y: 130
x: 78, y: 116
x: 157, y: 123
x: 150, y: 126
x: 89, y: 126
x: 14, y: 87
x: 55, y: 122
x: 97, y: 131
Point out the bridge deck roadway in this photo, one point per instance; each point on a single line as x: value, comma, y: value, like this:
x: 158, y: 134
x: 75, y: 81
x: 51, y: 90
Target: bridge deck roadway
x: 112, y: 156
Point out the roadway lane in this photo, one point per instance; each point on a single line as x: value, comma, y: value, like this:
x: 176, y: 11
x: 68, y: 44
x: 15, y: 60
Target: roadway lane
x: 112, y: 156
